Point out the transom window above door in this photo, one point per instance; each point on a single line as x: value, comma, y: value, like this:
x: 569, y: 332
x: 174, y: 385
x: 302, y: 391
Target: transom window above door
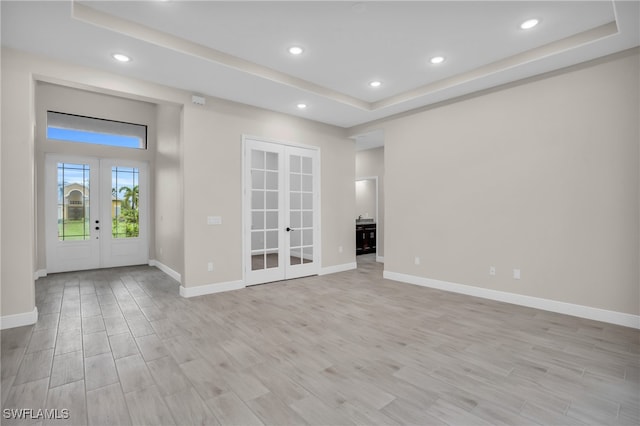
x: 97, y: 131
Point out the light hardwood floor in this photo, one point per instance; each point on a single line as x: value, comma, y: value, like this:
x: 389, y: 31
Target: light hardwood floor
x: 120, y: 346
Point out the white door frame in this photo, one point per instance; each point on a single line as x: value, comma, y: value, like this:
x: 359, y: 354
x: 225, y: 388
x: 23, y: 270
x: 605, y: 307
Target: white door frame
x: 106, y: 251
x: 246, y: 212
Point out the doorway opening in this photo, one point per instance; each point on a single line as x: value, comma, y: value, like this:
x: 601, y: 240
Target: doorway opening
x: 367, y: 215
x: 96, y: 213
x: 369, y: 193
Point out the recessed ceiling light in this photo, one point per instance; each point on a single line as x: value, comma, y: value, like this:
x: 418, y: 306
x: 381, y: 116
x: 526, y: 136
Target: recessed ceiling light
x: 301, y: 106
x: 375, y: 83
x: 529, y: 23
x: 120, y: 57
x: 295, y: 50
x: 437, y: 60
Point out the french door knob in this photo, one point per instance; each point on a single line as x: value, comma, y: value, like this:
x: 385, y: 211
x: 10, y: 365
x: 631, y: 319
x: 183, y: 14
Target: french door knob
x: 289, y: 229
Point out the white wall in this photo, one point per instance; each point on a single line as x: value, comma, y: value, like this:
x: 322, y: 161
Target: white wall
x: 213, y: 185
x: 542, y: 176
x: 169, y: 206
x: 370, y: 162
x: 366, y: 198
x: 16, y: 285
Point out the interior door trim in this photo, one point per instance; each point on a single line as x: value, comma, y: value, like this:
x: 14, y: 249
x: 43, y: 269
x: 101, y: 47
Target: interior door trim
x: 318, y: 188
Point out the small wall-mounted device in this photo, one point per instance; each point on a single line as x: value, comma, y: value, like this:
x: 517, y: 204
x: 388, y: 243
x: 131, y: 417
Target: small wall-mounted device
x: 198, y: 100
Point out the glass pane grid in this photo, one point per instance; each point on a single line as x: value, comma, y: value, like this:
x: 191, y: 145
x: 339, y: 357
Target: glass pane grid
x: 264, y: 210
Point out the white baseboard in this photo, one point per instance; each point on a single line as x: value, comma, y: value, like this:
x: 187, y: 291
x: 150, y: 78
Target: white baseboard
x: 597, y: 314
x: 338, y: 268
x: 201, y: 290
x: 379, y: 259
x: 164, y: 268
x: 18, y: 320
x: 40, y: 273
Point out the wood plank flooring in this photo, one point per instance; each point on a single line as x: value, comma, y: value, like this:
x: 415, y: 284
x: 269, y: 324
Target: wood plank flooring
x: 120, y: 346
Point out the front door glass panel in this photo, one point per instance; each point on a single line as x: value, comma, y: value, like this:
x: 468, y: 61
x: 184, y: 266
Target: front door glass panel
x: 125, y: 202
x: 73, y: 202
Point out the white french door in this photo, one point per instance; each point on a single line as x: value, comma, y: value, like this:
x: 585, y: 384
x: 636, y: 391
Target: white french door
x: 95, y: 213
x: 281, y: 213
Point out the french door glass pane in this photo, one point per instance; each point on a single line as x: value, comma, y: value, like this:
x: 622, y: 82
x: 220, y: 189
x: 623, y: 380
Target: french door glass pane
x: 294, y: 200
x: 272, y: 180
x: 257, y: 220
x: 257, y: 240
x: 294, y: 182
x: 272, y: 239
x: 272, y: 259
x: 295, y: 239
x: 264, y: 210
x: 294, y: 164
x: 272, y: 220
x: 73, y: 202
x: 307, y: 255
x: 301, y: 209
x: 295, y: 219
x: 257, y: 179
x: 125, y: 198
x: 307, y: 165
x: 272, y: 161
x: 272, y: 200
x: 307, y: 183
x: 257, y: 199
x: 307, y: 201
x: 257, y: 159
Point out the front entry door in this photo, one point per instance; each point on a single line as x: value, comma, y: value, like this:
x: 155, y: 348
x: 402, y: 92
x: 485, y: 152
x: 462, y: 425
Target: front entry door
x: 281, y: 212
x: 96, y: 213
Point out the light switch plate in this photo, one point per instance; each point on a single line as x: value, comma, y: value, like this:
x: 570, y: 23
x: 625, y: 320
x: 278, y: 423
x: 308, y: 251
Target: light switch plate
x: 214, y: 220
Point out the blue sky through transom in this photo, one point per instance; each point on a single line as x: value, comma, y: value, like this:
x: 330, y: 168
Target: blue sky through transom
x: 71, y: 135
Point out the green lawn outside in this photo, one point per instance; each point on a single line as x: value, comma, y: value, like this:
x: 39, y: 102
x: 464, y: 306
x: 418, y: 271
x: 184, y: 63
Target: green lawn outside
x: 75, y: 230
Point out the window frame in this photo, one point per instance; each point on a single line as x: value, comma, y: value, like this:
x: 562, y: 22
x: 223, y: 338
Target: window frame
x: 144, y: 143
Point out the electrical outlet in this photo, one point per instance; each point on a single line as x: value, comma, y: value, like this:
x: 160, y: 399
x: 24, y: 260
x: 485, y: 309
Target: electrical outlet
x: 516, y: 274
x: 210, y: 266
x: 492, y: 270
x: 416, y: 260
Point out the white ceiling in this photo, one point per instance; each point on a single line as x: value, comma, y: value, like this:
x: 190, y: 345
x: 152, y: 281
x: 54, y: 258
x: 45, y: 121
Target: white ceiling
x: 238, y: 50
